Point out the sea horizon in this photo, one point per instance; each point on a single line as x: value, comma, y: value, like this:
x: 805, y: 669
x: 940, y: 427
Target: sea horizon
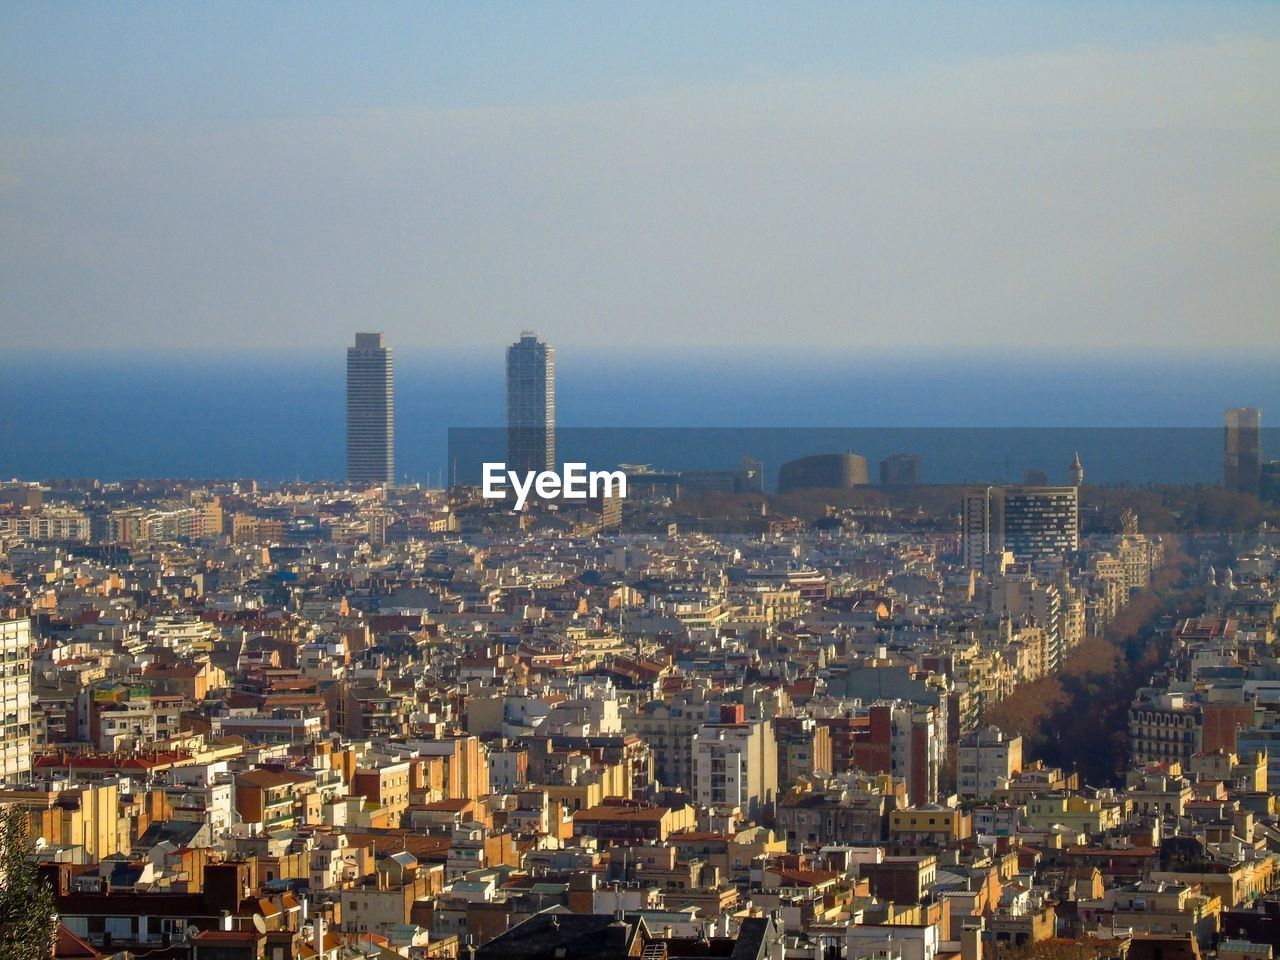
x: 279, y: 415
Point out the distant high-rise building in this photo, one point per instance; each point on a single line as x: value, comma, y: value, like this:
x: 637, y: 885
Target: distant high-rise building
x: 1077, y: 471
x: 1041, y: 522
x: 981, y: 525
x: 1243, y: 464
x: 1032, y: 523
x: 15, y: 701
x: 371, y: 417
x: 531, y: 405
x: 900, y: 469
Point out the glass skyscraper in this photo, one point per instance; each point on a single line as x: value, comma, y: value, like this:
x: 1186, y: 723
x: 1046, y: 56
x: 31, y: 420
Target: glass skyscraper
x: 1243, y: 455
x: 531, y: 405
x: 371, y: 417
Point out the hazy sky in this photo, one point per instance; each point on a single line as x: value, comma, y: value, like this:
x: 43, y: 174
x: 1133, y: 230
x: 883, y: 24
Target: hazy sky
x: 269, y: 175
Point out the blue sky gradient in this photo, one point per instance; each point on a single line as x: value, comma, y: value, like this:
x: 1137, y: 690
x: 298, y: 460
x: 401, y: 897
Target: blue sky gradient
x: 1094, y: 176
x: 66, y: 67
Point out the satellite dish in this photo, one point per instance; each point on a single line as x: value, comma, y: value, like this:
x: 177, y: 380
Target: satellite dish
x: 192, y: 930
x: 259, y: 924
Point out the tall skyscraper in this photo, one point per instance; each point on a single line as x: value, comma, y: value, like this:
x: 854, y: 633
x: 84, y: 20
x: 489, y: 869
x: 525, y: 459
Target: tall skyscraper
x: 1033, y: 523
x: 531, y: 405
x: 1242, y: 469
x: 15, y: 700
x: 371, y: 417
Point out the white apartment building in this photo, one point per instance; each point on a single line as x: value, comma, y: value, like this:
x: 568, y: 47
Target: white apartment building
x: 736, y: 765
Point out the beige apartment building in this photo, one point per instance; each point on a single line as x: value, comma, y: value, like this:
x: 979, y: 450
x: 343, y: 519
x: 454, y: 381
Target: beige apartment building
x: 15, y: 700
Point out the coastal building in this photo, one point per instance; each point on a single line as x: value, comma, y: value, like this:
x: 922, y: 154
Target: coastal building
x: 531, y: 405
x: 900, y: 470
x: 370, y: 411
x: 1242, y: 463
x: 827, y: 471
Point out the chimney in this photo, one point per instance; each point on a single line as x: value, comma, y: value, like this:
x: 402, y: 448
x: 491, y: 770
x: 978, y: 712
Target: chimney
x: 971, y: 940
x: 733, y: 713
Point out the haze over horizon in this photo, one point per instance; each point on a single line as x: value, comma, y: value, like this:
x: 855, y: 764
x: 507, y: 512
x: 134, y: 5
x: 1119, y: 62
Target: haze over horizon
x: 1100, y: 177
x: 278, y: 416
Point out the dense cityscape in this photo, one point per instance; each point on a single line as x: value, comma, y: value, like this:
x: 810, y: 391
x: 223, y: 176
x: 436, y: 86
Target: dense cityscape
x: 570, y: 480
x: 717, y: 716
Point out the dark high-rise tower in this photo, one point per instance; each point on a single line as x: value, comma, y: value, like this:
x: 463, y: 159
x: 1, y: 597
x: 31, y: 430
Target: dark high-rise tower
x: 1242, y: 468
x: 531, y: 405
x: 371, y: 417
x: 1033, y: 523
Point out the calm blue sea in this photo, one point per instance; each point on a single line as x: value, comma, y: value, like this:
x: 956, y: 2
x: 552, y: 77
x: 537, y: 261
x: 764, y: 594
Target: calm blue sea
x: 278, y: 416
